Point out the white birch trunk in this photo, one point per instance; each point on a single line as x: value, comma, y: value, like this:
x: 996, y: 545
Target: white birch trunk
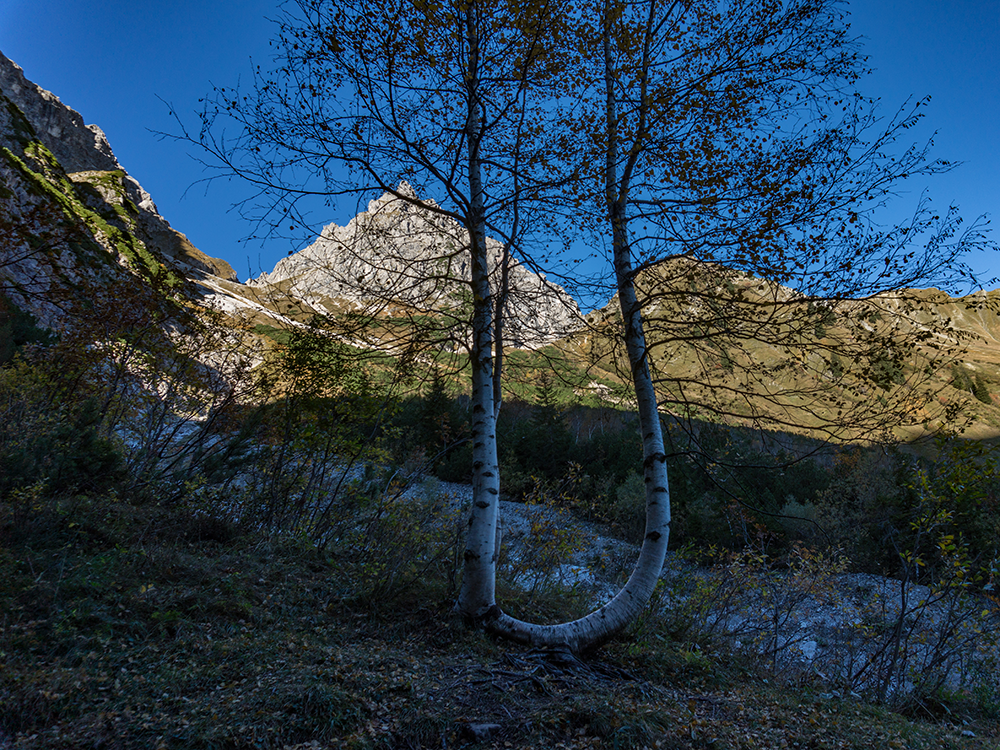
x: 603, y: 624
x: 477, y: 597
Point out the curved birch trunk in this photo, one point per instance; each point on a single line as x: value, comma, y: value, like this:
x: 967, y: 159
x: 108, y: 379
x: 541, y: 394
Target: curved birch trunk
x: 601, y: 625
x: 477, y: 597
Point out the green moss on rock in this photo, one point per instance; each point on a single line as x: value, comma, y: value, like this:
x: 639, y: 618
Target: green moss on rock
x: 20, y: 127
x: 54, y: 184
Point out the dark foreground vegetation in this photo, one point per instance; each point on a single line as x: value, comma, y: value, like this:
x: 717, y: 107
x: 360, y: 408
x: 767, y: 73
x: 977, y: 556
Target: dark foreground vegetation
x: 249, y: 573
x: 140, y: 626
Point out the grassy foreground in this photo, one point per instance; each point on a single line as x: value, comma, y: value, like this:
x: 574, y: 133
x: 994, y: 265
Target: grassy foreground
x: 143, y: 627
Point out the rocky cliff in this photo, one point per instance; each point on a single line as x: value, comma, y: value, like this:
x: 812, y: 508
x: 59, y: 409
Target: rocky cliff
x: 69, y: 212
x: 33, y: 115
x: 404, y: 252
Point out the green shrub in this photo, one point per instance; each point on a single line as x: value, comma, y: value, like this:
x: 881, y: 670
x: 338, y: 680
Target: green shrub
x: 960, y: 379
x: 59, y: 443
x: 628, y: 511
x: 18, y: 328
x: 981, y: 390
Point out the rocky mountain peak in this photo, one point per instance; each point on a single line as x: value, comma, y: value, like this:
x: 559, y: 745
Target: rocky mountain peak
x: 404, y: 250
x: 78, y: 147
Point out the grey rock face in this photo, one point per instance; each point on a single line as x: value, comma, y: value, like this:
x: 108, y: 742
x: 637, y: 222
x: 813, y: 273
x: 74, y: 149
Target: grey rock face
x: 403, y: 252
x: 77, y: 146
x: 84, y: 148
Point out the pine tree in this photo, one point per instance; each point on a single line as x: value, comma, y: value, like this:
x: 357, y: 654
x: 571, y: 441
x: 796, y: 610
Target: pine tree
x: 981, y: 389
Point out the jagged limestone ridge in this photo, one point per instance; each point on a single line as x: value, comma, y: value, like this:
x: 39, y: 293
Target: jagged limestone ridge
x: 399, y: 250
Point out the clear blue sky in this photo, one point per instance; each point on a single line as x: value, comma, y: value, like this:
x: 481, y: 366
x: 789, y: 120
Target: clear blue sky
x: 114, y: 61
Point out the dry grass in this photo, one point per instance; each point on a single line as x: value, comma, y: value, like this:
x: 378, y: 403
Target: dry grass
x: 139, y: 627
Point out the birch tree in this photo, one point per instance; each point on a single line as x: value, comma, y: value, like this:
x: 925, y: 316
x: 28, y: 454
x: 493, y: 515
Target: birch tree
x: 683, y: 130
x: 450, y: 97
x: 728, y: 143
x: 747, y: 173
